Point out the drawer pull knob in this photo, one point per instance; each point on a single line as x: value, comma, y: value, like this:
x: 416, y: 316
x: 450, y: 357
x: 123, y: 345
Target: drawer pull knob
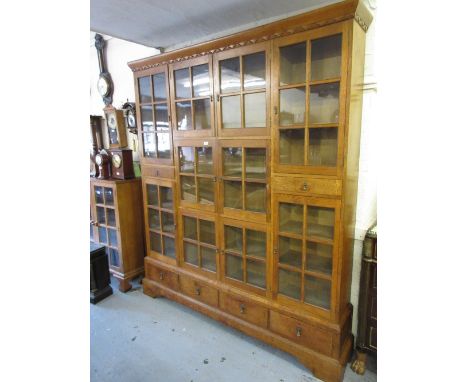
x: 298, y: 331
x: 305, y: 187
x: 161, y: 275
x: 197, y: 291
x: 242, y: 308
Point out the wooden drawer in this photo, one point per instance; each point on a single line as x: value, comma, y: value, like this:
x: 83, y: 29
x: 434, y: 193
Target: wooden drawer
x: 199, y: 291
x: 157, y: 171
x: 245, y: 309
x: 306, y: 185
x: 300, y: 332
x: 162, y: 276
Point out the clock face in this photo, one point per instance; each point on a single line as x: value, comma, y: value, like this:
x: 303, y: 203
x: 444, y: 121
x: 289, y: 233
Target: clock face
x: 116, y: 160
x: 131, y: 120
x: 98, y: 159
x: 103, y: 86
x: 111, y: 121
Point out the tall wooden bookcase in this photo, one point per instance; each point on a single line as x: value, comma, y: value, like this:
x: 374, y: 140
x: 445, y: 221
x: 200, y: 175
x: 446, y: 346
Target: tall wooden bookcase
x: 250, y: 153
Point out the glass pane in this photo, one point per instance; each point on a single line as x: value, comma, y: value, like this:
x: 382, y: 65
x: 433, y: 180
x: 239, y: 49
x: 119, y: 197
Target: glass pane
x: 208, y: 258
x: 110, y: 217
x: 232, y: 194
x: 201, y: 81
x: 291, y: 148
x: 190, y: 228
x: 182, y: 82
x: 149, y: 145
x: 167, y: 222
x: 255, y: 163
x: 113, y: 137
x: 155, y: 242
x: 152, y: 194
x: 147, y: 118
x: 167, y: 200
x: 207, y: 232
x: 233, y: 239
x: 317, y: 291
x: 114, y: 258
x: 234, y: 267
x: 326, y: 58
x: 191, y: 253
x: 109, y: 196
x: 184, y: 115
x: 98, y: 195
x: 289, y: 283
x: 293, y: 64
x: 230, y: 75
x: 91, y: 232
x: 101, y: 215
x: 256, y: 273
x: 204, y: 160
x: 153, y: 219
x: 290, y: 251
x: 206, y: 190
x: 188, y: 188
x: 112, y: 236
x: 254, y: 70
x: 202, y: 114
x: 255, y: 110
x: 186, y: 160
x: 292, y: 106
x: 255, y: 197
x: 145, y: 90
x: 231, y: 112
x: 320, y: 222
x: 324, y: 103
x: 164, y: 145
x: 161, y: 116
x: 159, y: 87
x: 323, y: 146
x: 255, y: 244
x: 102, y: 235
x: 232, y: 161
x: 291, y: 217
x: 169, y: 246
x: 319, y: 257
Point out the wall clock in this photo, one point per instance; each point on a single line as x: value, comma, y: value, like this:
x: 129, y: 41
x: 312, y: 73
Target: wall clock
x: 130, y: 116
x: 105, y: 85
x: 115, y: 127
x: 122, y: 163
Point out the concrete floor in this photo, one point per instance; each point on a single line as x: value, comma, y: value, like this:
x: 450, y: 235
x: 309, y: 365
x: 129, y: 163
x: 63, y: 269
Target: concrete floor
x: 136, y: 338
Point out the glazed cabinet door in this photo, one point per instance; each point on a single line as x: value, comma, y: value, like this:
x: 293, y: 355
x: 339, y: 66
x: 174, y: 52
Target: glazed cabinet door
x: 160, y: 219
x: 244, y: 179
x: 191, y: 84
x: 309, y: 93
x: 154, y: 116
x: 196, y: 173
x: 305, y: 251
x: 242, y: 90
x: 107, y: 230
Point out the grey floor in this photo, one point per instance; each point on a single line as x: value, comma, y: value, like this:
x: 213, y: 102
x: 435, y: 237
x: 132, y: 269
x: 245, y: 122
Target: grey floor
x: 136, y: 338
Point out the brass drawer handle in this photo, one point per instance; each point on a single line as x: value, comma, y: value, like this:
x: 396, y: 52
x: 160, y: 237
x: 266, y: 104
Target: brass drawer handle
x: 197, y: 291
x: 242, y: 308
x: 305, y: 187
x: 298, y: 331
x: 161, y: 276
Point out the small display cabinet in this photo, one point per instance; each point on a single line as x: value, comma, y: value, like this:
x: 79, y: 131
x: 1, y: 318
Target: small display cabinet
x: 117, y: 223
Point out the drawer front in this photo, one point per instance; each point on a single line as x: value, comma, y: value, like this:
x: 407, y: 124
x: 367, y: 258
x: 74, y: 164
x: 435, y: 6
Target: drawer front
x: 306, y: 185
x: 162, y: 276
x: 300, y: 332
x: 199, y: 291
x: 245, y: 309
x: 157, y: 171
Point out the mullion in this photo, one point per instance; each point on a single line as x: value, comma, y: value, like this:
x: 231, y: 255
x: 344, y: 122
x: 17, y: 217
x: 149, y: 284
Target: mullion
x: 243, y: 178
x: 163, y: 250
x: 304, y: 228
x: 307, y: 101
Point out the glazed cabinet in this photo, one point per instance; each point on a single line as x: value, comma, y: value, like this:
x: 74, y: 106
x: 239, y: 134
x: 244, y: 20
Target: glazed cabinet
x: 250, y: 217
x: 117, y: 223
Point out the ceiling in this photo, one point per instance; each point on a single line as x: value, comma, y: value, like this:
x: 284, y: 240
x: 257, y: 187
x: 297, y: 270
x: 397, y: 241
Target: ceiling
x: 172, y: 24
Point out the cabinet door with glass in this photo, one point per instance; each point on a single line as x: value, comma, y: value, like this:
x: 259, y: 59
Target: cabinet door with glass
x: 198, y: 242
x: 305, y: 248
x: 245, y: 255
x: 308, y: 98
x: 242, y: 88
x: 196, y: 173
x: 160, y: 219
x: 244, y: 179
x: 107, y: 230
x: 153, y: 116
x: 192, y: 97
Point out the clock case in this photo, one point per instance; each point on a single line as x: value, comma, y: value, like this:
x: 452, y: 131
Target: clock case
x: 104, y: 167
x: 120, y: 127
x: 125, y: 171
